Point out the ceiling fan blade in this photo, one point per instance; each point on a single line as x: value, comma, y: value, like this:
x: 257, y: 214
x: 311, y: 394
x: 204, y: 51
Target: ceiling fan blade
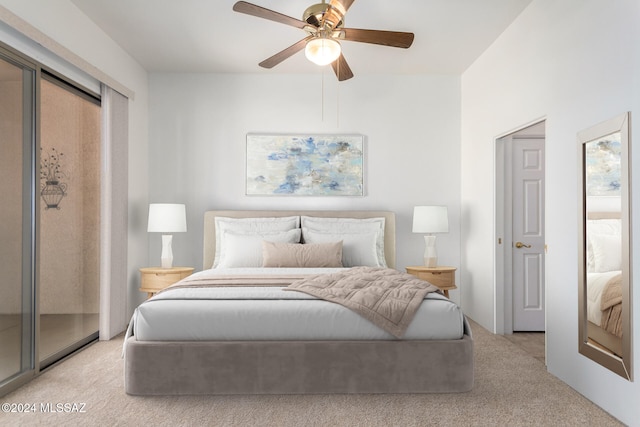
x: 284, y: 54
x: 335, y: 12
x: 342, y: 69
x: 386, y: 38
x: 261, y: 12
x: 346, y: 4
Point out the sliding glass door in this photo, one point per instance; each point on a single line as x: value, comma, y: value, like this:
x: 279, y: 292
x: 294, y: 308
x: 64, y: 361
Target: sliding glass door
x: 17, y: 181
x: 50, y: 174
x: 69, y: 224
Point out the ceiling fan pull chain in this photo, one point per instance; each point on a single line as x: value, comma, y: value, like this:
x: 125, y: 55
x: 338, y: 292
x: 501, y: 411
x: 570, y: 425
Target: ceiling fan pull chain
x: 338, y: 100
x: 322, y: 96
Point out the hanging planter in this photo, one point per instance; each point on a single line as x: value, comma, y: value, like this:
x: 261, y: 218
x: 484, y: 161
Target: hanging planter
x: 53, y: 190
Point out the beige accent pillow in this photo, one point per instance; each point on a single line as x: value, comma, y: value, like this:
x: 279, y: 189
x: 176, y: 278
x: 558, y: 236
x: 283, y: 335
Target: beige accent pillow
x: 277, y: 254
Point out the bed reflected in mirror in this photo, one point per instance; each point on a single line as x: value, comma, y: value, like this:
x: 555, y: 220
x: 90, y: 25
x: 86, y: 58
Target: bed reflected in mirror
x: 604, y: 267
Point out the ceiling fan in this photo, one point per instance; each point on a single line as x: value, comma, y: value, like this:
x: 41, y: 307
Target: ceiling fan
x: 324, y: 23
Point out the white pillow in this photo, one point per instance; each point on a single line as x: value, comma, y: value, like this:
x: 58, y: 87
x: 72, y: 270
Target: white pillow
x: 606, y: 251
x: 609, y: 226
x: 343, y: 226
x: 245, y: 250
x: 250, y: 226
x: 358, y: 249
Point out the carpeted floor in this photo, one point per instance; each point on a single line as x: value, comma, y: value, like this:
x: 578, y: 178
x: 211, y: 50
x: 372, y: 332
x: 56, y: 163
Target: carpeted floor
x: 511, y: 388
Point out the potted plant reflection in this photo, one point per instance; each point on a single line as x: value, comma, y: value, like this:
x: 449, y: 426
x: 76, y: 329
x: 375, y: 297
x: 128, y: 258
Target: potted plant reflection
x: 51, y: 171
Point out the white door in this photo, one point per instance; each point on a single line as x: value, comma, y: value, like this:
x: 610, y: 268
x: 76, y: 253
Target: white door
x: 528, y: 234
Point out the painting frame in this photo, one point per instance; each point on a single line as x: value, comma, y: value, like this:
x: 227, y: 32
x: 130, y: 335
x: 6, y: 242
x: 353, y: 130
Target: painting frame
x: 311, y: 165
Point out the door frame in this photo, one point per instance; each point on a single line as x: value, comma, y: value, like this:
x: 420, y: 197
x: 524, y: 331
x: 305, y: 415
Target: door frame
x: 29, y: 291
x: 503, y: 213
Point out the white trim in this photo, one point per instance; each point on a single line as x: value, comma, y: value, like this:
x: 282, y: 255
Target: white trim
x: 24, y: 37
x: 503, y: 315
x: 521, y: 128
x: 113, y: 215
x: 105, y: 218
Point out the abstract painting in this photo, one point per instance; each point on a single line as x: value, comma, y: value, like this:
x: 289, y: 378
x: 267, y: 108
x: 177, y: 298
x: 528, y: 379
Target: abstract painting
x: 603, y: 166
x: 304, y: 165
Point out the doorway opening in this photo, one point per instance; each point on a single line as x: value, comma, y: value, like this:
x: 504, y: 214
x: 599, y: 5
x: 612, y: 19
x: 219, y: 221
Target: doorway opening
x: 519, y: 228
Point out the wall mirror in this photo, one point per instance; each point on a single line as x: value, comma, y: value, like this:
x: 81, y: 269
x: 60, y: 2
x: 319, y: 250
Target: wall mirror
x: 604, y: 245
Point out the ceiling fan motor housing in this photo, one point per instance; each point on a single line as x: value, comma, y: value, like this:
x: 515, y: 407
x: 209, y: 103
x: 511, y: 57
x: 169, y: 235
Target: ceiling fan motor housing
x: 314, y: 13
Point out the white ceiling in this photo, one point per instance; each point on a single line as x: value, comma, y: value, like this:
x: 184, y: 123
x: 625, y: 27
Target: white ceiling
x: 207, y: 36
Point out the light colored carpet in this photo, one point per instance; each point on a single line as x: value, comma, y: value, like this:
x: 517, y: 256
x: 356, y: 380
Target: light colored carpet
x: 511, y: 388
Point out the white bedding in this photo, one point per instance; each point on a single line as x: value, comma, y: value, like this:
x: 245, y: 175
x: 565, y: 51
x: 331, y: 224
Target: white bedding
x: 595, y: 285
x: 269, y: 313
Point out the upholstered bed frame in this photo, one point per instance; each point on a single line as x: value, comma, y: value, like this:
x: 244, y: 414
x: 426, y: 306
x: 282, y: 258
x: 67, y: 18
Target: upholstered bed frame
x: 298, y: 367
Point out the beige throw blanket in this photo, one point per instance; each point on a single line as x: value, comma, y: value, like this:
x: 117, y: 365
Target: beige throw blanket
x: 386, y: 297
x: 611, y: 306
x: 236, y: 280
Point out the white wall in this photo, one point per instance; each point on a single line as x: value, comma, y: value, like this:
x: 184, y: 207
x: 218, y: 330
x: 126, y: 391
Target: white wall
x: 411, y: 124
x: 63, y: 22
x: 572, y: 62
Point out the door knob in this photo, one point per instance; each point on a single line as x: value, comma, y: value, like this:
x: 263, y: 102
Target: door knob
x: 522, y: 245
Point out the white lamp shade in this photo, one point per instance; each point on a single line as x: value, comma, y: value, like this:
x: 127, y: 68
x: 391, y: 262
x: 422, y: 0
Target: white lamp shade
x: 167, y: 218
x: 322, y: 51
x: 430, y: 219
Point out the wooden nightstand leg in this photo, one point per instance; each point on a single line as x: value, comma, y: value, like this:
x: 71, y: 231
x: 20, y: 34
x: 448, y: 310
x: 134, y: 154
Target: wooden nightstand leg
x: 446, y: 293
x: 149, y: 295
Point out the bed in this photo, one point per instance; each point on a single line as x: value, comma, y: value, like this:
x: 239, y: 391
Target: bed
x: 246, y: 333
x: 604, y: 292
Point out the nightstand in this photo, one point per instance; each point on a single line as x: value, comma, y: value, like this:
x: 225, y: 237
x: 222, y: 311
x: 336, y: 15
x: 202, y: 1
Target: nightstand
x: 442, y: 277
x: 154, y: 279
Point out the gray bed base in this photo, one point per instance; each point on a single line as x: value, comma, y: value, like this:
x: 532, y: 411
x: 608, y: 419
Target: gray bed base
x: 298, y: 367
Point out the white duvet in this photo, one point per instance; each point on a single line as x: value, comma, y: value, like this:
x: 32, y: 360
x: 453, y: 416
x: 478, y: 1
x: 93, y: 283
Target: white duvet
x: 596, y: 283
x: 269, y: 313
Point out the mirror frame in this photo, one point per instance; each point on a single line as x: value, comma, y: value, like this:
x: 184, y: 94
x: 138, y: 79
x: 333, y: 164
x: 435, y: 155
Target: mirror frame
x: 620, y: 365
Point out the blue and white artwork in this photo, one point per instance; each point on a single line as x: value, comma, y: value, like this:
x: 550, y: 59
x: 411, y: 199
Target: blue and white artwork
x: 603, y: 166
x: 304, y: 165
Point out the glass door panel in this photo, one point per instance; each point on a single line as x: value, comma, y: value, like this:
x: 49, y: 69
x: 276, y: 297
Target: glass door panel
x: 69, y: 219
x: 16, y: 220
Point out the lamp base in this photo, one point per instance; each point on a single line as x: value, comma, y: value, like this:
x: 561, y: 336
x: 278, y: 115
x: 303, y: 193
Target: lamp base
x: 430, y: 253
x: 166, y: 259
x: 430, y: 262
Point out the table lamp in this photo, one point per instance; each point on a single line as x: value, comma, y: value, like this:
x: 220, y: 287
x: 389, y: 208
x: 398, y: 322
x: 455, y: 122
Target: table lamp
x: 167, y: 218
x: 429, y: 220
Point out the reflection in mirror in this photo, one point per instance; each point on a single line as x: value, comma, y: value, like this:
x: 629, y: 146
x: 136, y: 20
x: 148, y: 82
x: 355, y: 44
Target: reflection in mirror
x: 604, y: 273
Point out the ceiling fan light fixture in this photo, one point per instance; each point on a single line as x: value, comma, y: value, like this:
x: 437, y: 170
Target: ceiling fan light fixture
x: 322, y: 51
